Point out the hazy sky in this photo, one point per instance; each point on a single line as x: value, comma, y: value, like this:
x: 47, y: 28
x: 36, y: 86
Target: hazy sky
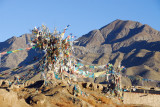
x: 19, y: 16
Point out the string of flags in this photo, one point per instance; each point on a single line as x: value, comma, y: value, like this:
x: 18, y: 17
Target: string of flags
x: 87, y: 74
x: 13, y: 51
x: 121, y: 68
x: 17, y: 50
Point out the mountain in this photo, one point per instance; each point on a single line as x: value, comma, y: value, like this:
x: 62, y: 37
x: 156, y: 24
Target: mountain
x: 129, y: 43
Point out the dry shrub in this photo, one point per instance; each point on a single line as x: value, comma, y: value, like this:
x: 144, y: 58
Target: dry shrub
x: 106, y: 100
x: 65, y: 104
x: 70, y: 103
x: 93, y: 102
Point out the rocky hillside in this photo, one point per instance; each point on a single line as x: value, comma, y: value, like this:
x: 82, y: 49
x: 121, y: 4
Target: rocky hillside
x: 22, y: 59
x: 134, y: 45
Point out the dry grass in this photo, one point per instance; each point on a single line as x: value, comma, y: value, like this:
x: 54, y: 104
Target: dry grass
x: 94, y: 100
x: 88, y: 100
x: 131, y: 105
x: 63, y: 102
x: 103, y: 99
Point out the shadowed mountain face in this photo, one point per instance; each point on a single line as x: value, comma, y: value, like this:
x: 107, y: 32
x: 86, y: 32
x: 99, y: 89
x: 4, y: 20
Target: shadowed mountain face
x: 130, y: 43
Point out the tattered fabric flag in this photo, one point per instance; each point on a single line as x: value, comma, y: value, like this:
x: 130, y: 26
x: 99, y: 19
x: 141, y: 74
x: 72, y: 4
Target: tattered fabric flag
x: 15, y: 51
x: 20, y: 49
x: 56, y: 76
x: 144, y: 79
x: 28, y: 48
x: 91, y: 76
x: 3, y: 53
x: 9, y: 52
x: 91, y: 66
x: 86, y: 65
x: 95, y: 67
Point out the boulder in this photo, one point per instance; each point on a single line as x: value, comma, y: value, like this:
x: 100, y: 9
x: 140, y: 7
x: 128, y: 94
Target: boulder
x: 10, y: 99
x: 1, y: 82
x: 5, y: 83
x: 89, y: 85
x: 14, y: 86
x: 94, y: 86
x: 100, y: 87
x: 84, y: 85
x: 38, y: 99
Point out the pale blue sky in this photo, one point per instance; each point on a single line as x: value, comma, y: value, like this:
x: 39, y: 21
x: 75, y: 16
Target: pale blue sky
x: 19, y: 16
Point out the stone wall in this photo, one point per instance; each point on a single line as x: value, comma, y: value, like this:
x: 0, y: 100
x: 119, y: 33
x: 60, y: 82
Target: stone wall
x: 142, y: 98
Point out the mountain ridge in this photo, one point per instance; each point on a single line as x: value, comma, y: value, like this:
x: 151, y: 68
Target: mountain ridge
x: 124, y: 28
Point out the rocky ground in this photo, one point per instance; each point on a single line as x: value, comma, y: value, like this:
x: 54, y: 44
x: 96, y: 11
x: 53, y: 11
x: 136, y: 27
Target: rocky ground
x: 56, y: 93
